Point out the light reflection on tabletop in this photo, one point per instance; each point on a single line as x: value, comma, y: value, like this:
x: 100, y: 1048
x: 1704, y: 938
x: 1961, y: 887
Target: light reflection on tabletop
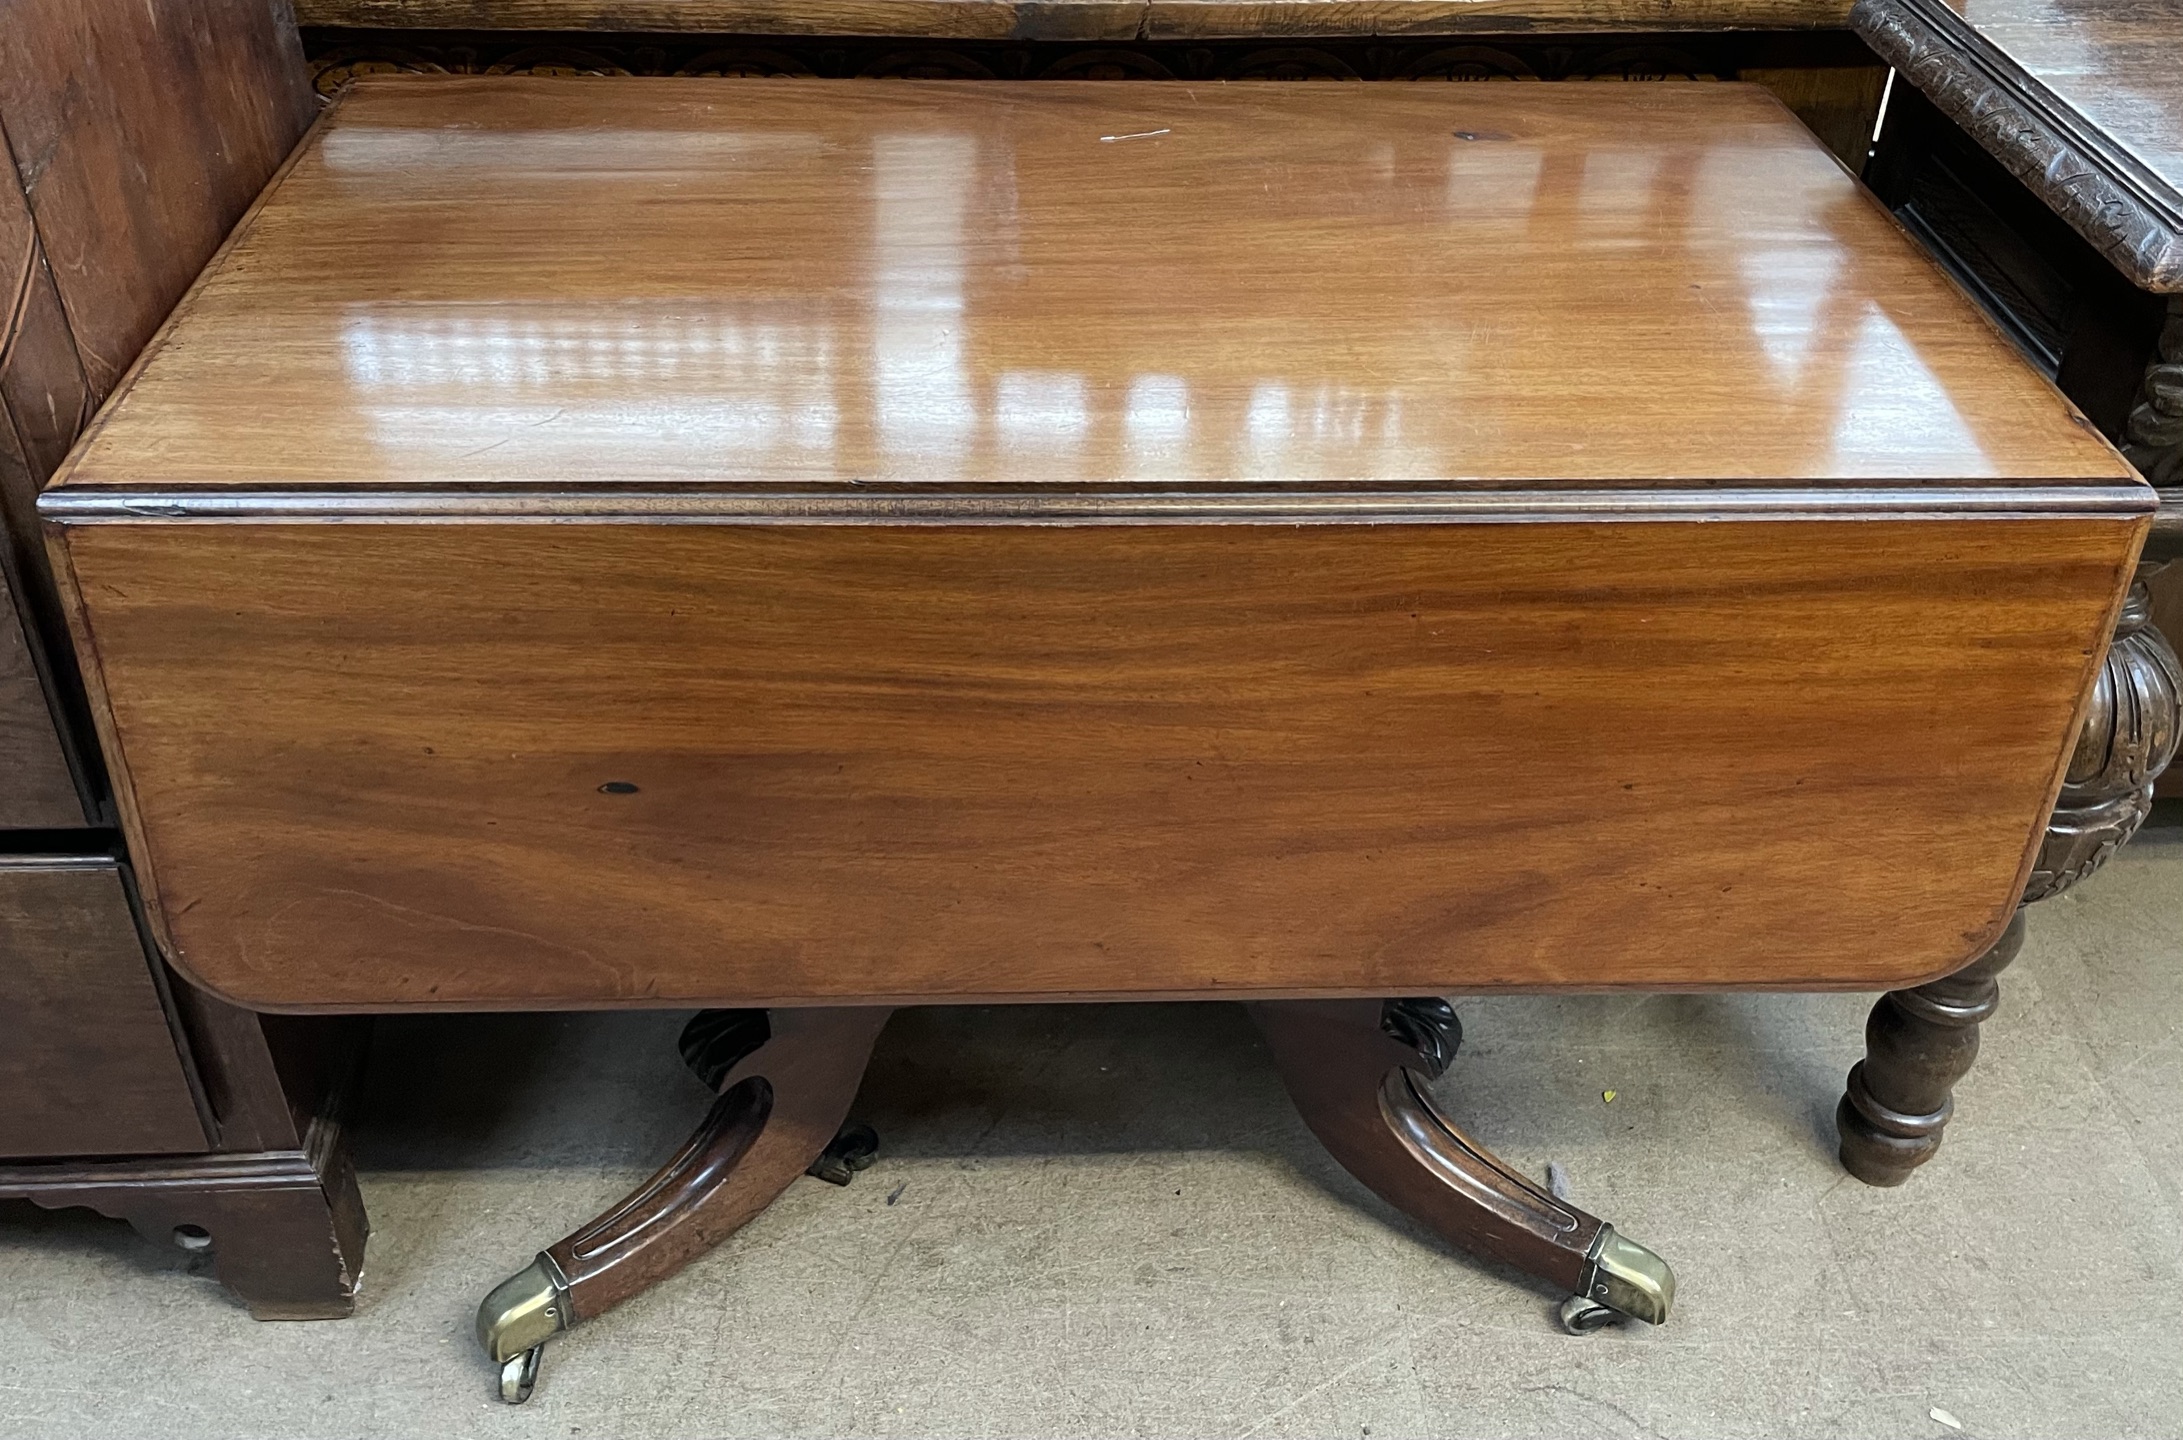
x: 1651, y: 289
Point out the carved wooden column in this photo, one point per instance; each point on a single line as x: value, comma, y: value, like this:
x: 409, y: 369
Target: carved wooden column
x: 2153, y: 435
x: 2129, y: 737
x: 1920, y: 1042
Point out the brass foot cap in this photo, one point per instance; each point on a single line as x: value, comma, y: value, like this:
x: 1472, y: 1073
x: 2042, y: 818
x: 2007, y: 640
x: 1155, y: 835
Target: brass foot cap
x: 524, y: 1311
x: 1624, y: 1276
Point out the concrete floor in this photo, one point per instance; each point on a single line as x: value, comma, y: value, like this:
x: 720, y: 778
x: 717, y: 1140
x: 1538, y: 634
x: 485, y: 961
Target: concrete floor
x: 1107, y: 1221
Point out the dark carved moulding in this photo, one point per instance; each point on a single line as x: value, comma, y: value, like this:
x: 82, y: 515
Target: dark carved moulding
x: 2128, y: 213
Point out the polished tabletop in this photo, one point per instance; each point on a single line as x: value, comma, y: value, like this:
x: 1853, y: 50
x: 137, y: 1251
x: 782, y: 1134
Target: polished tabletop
x: 500, y: 281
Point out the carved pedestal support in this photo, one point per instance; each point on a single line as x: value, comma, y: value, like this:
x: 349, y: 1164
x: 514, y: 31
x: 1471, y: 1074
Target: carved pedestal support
x: 1357, y: 1070
x: 786, y: 1079
x: 1920, y: 1042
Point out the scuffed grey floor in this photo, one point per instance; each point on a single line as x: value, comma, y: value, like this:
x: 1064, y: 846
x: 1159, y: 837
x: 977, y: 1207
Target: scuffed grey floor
x: 1107, y: 1221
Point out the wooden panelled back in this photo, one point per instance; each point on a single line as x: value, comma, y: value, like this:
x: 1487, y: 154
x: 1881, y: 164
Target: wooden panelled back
x: 140, y: 132
x: 44, y: 400
x: 137, y: 134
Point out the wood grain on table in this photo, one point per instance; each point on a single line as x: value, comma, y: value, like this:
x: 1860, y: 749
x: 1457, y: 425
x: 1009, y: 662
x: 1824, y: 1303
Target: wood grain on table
x: 836, y: 283
x: 661, y: 542
x: 375, y: 763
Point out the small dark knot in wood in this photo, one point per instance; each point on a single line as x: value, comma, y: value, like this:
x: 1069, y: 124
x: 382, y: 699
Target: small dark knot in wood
x: 1918, y: 1044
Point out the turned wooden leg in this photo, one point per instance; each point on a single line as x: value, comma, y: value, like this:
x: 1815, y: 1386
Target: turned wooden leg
x: 786, y: 1079
x: 1919, y: 1043
x: 1357, y: 1070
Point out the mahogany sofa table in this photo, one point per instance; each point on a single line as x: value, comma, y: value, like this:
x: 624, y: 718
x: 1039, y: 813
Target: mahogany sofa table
x: 802, y: 548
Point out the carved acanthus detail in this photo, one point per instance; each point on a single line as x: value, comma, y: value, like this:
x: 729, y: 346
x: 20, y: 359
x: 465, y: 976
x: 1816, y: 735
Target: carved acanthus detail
x: 2129, y: 737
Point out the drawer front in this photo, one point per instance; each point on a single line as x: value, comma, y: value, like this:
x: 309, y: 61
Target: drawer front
x: 36, y: 790
x: 87, y: 1061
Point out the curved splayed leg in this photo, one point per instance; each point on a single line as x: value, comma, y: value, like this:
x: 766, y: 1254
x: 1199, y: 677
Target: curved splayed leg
x: 1357, y: 1070
x: 786, y: 1079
